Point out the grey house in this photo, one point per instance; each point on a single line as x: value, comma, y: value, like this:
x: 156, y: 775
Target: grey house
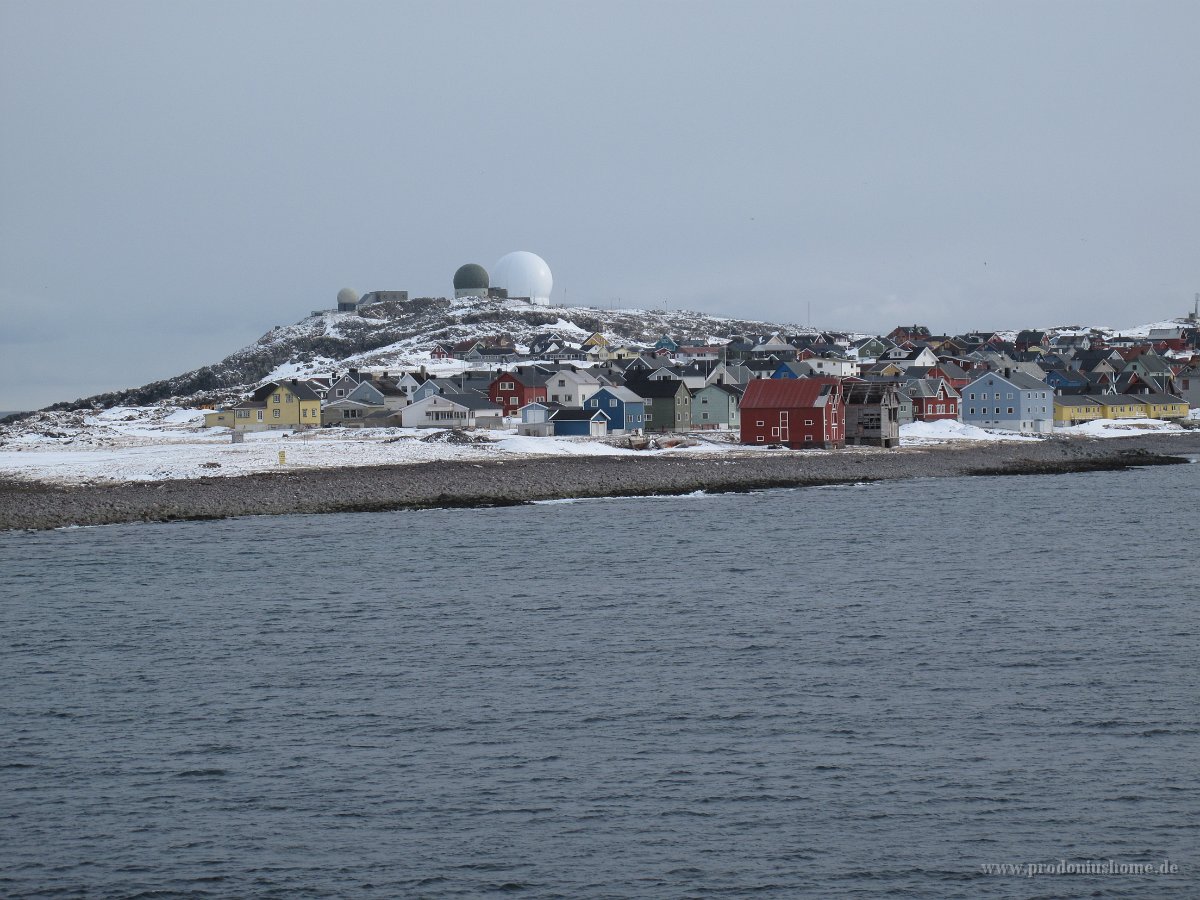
x: 872, y: 413
x: 716, y: 406
x: 1010, y: 401
x: 668, y: 404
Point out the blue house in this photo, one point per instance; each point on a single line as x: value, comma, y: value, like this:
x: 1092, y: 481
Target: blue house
x: 626, y: 411
x: 1068, y: 381
x: 579, y: 422
x: 792, y: 370
x: 1013, y: 401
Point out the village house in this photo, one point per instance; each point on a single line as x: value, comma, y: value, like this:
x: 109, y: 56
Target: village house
x: 1076, y: 409
x: 872, y: 413
x: 572, y: 387
x: 668, y: 404
x: 579, y: 422
x: 290, y: 404
x: 626, y: 411
x: 513, y: 390
x: 798, y: 413
x: 1010, y: 402
x: 437, y: 411
x: 932, y: 399
x: 716, y: 406
x: 535, y: 420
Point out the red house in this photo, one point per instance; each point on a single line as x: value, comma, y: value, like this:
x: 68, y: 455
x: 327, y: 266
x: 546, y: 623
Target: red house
x: 512, y: 390
x: 796, y: 412
x: 933, y: 399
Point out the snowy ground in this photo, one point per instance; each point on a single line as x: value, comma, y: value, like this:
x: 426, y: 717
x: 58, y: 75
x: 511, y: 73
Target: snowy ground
x: 1113, y: 428
x: 919, y: 434
x: 158, y: 443
x: 151, y: 444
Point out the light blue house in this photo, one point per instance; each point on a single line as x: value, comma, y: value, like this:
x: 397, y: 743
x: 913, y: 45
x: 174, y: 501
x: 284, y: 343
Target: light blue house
x: 626, y: 411
x: 1011, y: 401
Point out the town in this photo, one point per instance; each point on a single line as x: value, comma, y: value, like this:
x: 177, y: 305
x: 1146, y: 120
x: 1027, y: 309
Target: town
x: 811, y: 390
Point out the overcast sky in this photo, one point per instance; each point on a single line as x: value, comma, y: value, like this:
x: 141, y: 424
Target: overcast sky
x: 179, y: 177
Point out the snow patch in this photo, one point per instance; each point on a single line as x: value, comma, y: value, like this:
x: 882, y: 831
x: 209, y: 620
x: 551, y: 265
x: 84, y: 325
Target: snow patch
x: 916, y: 434
x: 1111, y: 428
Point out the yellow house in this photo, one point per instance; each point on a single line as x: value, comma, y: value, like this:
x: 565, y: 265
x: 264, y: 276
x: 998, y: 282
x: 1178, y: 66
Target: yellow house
x: 596, y: 340
x: 279, y: 404
x: 1164, y: 406
x: 218, y: 418
x: 1075, y: 409
x: 1121, y: 406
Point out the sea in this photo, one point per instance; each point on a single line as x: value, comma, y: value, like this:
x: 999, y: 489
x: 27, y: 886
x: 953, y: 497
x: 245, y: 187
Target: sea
x: 952, y: 687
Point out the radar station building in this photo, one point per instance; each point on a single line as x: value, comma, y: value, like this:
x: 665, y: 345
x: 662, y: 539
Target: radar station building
x: 471, y: 280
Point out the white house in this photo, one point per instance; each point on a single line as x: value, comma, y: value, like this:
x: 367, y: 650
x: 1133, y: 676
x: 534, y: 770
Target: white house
x: 836, y: 366
x: 437, y: 411
x: 570, y: 387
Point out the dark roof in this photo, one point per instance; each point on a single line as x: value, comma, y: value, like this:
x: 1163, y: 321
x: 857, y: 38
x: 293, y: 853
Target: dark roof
x: 578, y: 415
x: 793, y: 392
x: 297, y: 387
x: 650, y: 390
x: 862, y: 392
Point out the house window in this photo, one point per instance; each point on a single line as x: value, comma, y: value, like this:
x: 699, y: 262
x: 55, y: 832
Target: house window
x: 808, y: 421
x: 289, y: 398
x: 260, y: 415
x: 341, y: 392
x: 512, y: 400
x: 612, y: 404
x: 760, y: 423
x: 275, y: 398
x: 649, y: 417
x: 704, y: 416
x: 808, y: 437
x: 242, y: 414
x: 1010, y: 410
x: 595, y: 403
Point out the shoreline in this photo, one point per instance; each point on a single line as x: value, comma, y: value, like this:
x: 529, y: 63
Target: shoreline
x: 26, y: 505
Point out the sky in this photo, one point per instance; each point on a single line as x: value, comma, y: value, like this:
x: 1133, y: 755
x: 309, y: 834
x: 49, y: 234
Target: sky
x: 177, y: 178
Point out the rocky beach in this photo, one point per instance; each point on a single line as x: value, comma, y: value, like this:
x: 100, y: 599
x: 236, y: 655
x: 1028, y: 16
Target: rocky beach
x: 28, y: 504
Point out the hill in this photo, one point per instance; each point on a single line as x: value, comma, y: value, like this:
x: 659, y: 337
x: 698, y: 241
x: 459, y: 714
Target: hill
x: 402, y: 333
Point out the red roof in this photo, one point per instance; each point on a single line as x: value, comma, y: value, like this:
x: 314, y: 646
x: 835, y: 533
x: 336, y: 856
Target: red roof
x: 787, y: 392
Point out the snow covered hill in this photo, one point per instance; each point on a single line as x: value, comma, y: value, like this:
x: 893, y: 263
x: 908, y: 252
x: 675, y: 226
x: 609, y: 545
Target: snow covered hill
x: 402, y: 333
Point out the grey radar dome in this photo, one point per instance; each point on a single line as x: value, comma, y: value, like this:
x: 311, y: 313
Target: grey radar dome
x: 347, y: 300
x: 471, y: 280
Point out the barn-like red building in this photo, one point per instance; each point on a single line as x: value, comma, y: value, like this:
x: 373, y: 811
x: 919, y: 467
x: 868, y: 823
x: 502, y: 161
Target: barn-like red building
x: 796, y: 412
x: 513, y: 390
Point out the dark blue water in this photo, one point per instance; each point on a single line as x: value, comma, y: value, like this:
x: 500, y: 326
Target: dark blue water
x: 837, y: 692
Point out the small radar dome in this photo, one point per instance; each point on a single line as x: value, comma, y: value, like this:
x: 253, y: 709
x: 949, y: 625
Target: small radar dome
x: 525, y: 274
x: 347, y: 300
x: 471, y: 280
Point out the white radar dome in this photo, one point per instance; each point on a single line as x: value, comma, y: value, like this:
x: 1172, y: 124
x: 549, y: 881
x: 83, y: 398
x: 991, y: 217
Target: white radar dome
x: 524, y: 274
